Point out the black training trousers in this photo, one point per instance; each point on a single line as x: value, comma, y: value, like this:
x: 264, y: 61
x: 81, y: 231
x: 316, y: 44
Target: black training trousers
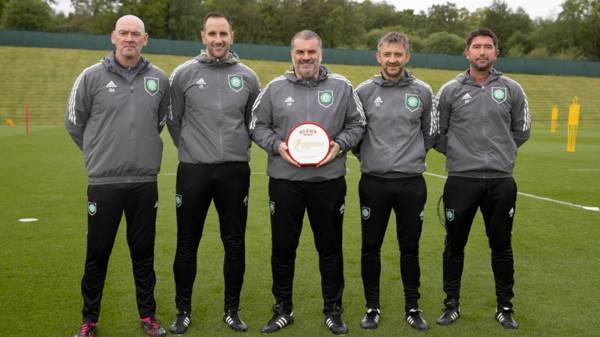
x: 378, y: 196
x: 197, y: 185
x: 496, y: 198
x: 106, y: 204
x: 324, y: 203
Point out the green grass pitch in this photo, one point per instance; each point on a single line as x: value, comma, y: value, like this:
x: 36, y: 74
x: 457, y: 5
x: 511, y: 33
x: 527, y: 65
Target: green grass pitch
x: 41, y: 263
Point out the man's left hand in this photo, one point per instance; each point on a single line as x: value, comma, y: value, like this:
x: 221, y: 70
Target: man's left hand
x: 333, y: 152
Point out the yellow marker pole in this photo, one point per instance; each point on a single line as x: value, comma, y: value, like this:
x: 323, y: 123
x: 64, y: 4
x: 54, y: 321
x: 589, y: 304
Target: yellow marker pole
x: 573, y: 124
x: 553, y: 118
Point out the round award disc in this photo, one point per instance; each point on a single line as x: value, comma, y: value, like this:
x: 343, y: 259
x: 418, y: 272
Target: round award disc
x: 308, y: 143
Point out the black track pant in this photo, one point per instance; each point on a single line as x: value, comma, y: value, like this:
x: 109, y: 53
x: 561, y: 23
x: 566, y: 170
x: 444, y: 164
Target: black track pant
x: 324, y: 203
x: 378, y: 196
x: 197, y: 185
x: 106, y: 204
x: 496, y: 199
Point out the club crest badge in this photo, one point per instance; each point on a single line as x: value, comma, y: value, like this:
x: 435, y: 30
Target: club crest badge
x: 499, y: 94
x: 412, y: 102
x: 151, y: 85
x: 325, y: 98
x: 365, y: 212
x: 449, y: 214
x: 178, y: 200
x: 92, y: 208
x: 236, y: 83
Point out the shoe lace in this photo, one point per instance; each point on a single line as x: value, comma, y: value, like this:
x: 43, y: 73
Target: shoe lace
x: 151, y: 322
x: 336, y: 318
x: 85, y: 327
x: 415, y: 313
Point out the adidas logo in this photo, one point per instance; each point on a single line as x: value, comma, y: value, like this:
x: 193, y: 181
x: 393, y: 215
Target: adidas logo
x: 201, y: 83
x: 289, y: 101
x: 111, y: 86
x: 378, y: 101
x: 467, y: 98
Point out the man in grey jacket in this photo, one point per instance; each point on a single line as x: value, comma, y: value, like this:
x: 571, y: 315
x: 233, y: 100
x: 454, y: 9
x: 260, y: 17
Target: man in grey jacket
x: 401, y: 128
x: 211, y: 97
x: 115, y: 113
x: 308, y: 93
x: 483, y: 118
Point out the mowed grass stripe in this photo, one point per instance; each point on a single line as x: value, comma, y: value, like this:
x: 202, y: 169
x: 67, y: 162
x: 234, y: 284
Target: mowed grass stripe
x: 42, y: 78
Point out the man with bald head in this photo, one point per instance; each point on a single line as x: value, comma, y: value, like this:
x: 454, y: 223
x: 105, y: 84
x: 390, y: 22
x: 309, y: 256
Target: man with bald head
x: 116, y: 111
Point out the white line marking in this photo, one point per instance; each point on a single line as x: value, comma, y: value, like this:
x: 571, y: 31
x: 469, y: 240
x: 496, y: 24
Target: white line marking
x: 585, y: 170
x: 560, y: 202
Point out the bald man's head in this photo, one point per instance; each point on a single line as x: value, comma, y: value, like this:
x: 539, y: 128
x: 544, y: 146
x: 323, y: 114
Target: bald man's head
x: 129, y: 37
x: 130, y: 20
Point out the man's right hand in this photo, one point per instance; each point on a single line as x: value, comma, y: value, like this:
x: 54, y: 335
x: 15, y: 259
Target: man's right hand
x: 283, y: 152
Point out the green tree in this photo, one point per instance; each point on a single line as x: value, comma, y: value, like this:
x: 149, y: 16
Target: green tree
x: 153, y: 12
x: 505, y: 22
x: 185, y: 19
x: 444, y: 43
x: 448, y: 18
x: 27, y: 15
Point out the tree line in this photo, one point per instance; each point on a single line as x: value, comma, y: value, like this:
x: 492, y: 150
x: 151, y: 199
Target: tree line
x: 573, y: 34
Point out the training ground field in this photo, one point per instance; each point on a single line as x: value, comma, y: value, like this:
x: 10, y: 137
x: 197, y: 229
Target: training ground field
x: 557, y: 255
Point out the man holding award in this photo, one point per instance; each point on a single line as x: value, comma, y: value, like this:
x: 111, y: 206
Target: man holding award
x: 306, y: 120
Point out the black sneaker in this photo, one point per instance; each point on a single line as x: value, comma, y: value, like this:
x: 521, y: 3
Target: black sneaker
x: 504, y: 315
x: 371, y: 319
x: 451, y: 313
x: 181, y: 323
x: 233, y: 320
x: 88, y: 329
x: 152, y: 327
x: 333, y: 321
x: 415, y: 319
x: 279, y: 320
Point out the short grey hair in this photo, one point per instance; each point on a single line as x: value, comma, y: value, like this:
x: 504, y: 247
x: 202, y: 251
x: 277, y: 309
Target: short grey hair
x: 394, y: 37
x: 306, y: 35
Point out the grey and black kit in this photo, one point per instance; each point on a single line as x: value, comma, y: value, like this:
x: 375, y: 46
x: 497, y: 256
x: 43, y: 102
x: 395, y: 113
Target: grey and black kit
x: 319, y: 191
x: 115, y: 115
x: 401, y: 128
x: 211, y: 104
x: 481, y: 127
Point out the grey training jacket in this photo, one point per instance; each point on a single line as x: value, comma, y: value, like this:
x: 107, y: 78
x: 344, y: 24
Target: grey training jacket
x: 481, y: 127
x: 211, y: 105
x: 115, y: 116
x: 287, y: 101
x: 401, y: 126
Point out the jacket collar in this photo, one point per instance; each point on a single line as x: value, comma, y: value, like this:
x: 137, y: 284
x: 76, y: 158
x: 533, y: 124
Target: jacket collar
x: 111, y: 64
x: 230, y: 59
x: 405, y: 79
x: 465, y: 78
x: 324, y: 72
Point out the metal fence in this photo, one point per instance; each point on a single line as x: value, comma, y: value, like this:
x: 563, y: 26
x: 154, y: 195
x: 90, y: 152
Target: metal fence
x: 281, y: 53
